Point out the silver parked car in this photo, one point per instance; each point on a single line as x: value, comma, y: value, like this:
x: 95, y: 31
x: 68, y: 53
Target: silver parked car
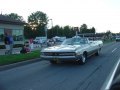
x: 76, y: 49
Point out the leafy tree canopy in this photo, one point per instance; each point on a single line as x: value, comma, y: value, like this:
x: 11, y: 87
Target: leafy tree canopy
x: 15, y: 16
x: 38, y: 18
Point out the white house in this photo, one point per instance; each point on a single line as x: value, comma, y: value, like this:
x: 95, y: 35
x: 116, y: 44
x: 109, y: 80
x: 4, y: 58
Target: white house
x: 12, y: 27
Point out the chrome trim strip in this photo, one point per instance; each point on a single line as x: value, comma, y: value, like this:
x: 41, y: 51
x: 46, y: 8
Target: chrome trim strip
x: 58, y: 56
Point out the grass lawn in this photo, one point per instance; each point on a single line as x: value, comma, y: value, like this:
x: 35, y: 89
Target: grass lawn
x: 8, y: 59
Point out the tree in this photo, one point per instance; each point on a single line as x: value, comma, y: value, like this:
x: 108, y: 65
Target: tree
x: 37, y: 22
x: 37, y: 19
x: 40, y: 30
x: 56, y: 30
x: 67, y: 31
x: 83, y: 28
x: 108, y: 34
x: 93, y: 30
x: 72, y: 32
x: 15, y: 16
x: 61, y: 31
x: 28, y: 32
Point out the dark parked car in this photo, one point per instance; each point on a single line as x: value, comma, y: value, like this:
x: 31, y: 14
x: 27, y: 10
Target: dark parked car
x: 117, y: 38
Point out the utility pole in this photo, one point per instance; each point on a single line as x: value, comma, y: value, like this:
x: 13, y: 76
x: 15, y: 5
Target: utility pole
x: 46, y: 30
x: 51, y: 26
x: 46, y: 33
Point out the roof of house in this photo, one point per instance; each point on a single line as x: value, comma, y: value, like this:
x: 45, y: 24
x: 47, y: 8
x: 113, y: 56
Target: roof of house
x: 7, y: 20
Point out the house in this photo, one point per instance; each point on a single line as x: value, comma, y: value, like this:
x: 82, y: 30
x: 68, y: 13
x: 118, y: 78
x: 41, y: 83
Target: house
x: 11, y: 27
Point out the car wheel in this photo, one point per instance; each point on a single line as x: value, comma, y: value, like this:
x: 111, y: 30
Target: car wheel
x: 97, y: 53
x: 83, y: 59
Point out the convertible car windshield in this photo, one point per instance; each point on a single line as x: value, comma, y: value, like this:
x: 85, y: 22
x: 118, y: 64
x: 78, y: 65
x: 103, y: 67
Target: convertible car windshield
x: 75, y: 41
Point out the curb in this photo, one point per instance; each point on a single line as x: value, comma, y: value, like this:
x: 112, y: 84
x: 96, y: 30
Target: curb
x: 10, y: 66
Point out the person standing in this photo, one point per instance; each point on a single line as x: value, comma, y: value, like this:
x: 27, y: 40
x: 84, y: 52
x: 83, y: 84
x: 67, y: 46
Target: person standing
x: 11, y: 43
x: 7, y: 44
x: 31, y: 44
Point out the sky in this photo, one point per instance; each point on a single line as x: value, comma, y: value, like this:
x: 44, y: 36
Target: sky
x: 102, y: 14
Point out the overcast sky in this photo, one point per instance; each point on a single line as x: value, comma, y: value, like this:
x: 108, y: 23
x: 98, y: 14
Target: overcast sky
x: 102, y: 14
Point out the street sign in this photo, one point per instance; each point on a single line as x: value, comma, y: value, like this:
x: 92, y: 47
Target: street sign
x: 76, y: 28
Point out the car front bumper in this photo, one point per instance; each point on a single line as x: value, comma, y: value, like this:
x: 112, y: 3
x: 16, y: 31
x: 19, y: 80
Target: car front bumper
x: 61, y: 58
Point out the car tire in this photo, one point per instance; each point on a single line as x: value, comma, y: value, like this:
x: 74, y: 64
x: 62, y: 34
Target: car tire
x: 97, y: 53
x: 83, y: 59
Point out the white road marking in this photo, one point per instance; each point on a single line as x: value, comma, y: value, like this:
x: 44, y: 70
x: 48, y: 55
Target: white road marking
x: 111, y: 76
x: 114, y: 50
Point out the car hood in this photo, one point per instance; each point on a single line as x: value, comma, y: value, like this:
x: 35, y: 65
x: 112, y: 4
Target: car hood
x: 62, y: 48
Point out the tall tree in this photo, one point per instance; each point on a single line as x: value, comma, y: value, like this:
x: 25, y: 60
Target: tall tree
x: 37, y: 21
x: 56, y: 30
x: 93, y: 30
x: 83, y: 28
x: 108, y: 34
x: 15, y: 16
x: 28, y: 32
x: 72, y: 32
x: 38, y: 18
x: 67, y: 31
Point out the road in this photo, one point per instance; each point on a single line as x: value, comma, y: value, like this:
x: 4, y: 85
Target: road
x: 67, y: 76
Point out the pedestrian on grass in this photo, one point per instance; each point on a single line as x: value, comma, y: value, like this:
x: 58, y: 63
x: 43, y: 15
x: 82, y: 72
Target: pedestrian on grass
x: 7, y: 43
x: 11, y: 43
x: 31, y: 44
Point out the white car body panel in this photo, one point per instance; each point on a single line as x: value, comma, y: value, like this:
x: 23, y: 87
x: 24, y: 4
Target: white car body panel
x: 90, y: 47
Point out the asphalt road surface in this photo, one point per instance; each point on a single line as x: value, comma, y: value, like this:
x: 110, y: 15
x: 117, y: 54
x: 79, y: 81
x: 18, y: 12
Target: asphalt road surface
x: 66, y: 76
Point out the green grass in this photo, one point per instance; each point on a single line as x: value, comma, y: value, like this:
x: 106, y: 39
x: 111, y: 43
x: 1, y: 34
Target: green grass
x: 9, y: 59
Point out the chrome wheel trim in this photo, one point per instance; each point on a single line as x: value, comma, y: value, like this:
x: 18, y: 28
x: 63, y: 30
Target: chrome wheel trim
x: 83, y: 58
x: 98, y: 51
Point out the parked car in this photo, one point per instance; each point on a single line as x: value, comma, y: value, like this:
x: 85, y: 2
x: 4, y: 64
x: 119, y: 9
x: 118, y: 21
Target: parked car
x: 59, y: 39
x: 117, y: 38
x: 75, y: 49
x: 39, y: 40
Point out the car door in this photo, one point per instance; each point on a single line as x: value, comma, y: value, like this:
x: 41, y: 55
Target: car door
x: 91, y: 48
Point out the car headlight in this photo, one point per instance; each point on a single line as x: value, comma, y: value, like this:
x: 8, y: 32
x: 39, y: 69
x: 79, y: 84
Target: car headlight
x: 77, y: 53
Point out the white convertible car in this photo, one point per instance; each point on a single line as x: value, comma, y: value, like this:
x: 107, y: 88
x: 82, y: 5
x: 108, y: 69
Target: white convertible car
x: 76, y: 49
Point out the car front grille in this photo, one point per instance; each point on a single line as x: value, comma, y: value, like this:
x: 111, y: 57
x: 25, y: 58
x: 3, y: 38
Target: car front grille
x: 59, y: 53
